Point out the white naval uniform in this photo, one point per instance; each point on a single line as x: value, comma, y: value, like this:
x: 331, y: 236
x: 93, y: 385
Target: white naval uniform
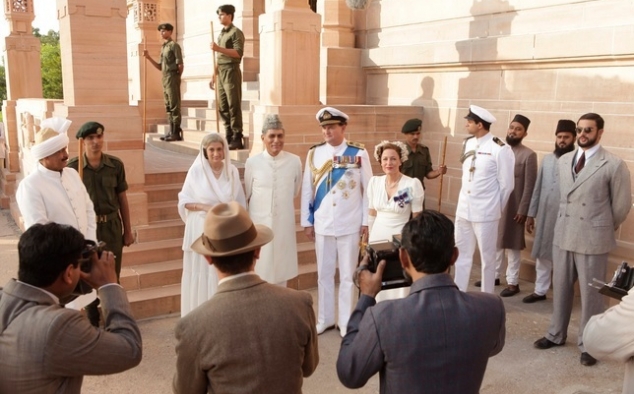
x: 487, y: 183
x: 337, y: 223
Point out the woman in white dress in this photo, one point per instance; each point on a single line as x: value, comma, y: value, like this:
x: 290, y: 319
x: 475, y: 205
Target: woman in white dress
x: 211, y: 180
x: 392, y: 199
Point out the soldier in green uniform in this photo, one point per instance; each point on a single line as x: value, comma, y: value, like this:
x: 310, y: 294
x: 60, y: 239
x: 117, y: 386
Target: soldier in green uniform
x: 418, y: 165
x: 230, y: 47
x: 104, y: 178
x: 171, y: 65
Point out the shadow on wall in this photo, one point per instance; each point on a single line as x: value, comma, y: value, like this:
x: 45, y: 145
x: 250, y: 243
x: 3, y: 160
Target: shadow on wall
x: 431, y: 117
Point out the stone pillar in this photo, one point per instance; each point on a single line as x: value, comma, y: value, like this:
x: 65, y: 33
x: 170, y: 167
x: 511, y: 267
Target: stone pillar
x: 23, y: 79
x: 247, y: 14
x: 289, y: 54
x: 95, y: 74
x: 342, y: 80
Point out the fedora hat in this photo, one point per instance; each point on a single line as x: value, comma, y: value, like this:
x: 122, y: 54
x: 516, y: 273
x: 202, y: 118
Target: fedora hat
x: 229, y: 231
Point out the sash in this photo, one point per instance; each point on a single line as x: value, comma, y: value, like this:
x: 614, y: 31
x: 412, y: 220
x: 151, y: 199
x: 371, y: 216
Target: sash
x: 326, y: 185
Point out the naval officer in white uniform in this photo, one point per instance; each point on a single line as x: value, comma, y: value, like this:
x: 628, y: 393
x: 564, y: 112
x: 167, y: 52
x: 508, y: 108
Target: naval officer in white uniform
x: 334, y: 213
x: 487, y: 182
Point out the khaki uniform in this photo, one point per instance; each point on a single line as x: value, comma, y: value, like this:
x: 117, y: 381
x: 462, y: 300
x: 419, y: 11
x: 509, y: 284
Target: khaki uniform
x: 104, y: 184
x: 230, y: 81
x: 418, y: 163
x: 171, y: 57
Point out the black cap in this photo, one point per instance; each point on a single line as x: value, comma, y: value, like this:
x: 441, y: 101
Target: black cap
x: 412, y: 126
x: 227, y: 9
x: 523, y: 120
x: 89, y: 128
x: 165, y: 26
x: 566, y: 125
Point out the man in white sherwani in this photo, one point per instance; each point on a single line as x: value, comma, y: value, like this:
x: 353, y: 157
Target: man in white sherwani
x: 334, y: 213
x: 542, y: 213
x: 487, y: 182
x: 54, y: 193
x: 272, y: 180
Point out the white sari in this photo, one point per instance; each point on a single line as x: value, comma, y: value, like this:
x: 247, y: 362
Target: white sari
x: 200, y: 281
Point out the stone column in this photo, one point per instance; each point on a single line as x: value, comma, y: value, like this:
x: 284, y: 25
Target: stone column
x: 23, y: 78
x: 247, y: 14
x: 342, y: 80
x: 95, y: 74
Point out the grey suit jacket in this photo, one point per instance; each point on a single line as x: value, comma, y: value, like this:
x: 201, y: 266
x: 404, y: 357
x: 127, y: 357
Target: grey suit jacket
x: 47, y: 349
x: 250, y: 337
x: 594, y: 205
x: 436, y: 340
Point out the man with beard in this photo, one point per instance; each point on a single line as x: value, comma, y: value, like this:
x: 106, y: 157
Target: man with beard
x: 544, y: 207
x: 511, y: 227
x: 596, y: 196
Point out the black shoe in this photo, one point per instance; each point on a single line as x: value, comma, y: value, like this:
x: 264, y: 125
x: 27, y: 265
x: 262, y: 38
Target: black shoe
x: 529, y: 299
x: 478, y: 283
x: 179, y: 134
x: 236, y: 143
x: 165, y: 137
x: 510, y: 290
x: 587, y: 360
x: 545, y: 343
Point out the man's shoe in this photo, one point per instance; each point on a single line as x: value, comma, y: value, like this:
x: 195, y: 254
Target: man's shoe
x: 545, y: 343
x: 529, y: 299
x: 478, y: 283
x: 510, y: 290
x: 171, y: 138
x: 343, y: 331
x: 236, y: 143
x: 587, y: 360
x: 322, y: 328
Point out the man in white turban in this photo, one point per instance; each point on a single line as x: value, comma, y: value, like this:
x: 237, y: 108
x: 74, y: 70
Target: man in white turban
x: 52, y: 192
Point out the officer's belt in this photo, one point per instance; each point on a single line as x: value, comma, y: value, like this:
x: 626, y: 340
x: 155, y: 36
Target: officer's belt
x: 107, y: 218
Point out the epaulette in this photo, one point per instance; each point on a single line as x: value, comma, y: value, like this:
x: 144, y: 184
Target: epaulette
x: 356, y: 144
x: 498, y: 141
x: 316, y: 145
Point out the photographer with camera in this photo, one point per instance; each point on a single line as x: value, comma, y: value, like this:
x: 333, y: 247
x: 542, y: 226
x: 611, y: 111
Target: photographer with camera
x: 45, y: 347
x: 437, y: 339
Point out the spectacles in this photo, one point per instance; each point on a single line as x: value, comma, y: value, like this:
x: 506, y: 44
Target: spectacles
x: 586, y: 130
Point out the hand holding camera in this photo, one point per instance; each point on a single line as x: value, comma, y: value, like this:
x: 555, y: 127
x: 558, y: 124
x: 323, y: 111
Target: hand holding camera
x: 369, y: 282
x: 98, y: 266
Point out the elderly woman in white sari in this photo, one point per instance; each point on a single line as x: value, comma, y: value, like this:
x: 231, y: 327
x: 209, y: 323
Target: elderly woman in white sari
x: 211, y: 180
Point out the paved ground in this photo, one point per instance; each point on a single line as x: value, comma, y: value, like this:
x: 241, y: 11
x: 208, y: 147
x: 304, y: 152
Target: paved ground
x: 518, y: 369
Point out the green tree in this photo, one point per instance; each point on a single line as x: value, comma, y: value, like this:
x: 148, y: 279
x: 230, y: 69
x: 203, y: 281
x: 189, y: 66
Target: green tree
x: 3, y: 83
x: 51, y: 62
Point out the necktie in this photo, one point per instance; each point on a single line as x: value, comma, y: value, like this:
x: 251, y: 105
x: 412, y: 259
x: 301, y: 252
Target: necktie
x: 580, y: 163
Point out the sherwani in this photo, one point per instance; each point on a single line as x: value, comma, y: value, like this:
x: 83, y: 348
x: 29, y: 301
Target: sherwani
x: 272, y: 183
x: 337, y: 224
x: 592, y: 205
x: 544, y: 207
x: 610, y: 336
x: 487, y: 182
x: 511, y: 233
x: 50, y: 196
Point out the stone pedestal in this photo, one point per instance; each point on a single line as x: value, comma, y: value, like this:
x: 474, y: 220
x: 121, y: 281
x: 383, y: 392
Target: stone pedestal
x: 95, y: 73
x: 289, y: 54
x: 342, y: 80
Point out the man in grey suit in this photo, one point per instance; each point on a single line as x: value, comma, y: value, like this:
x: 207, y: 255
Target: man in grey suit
x: 595, y: 198
x: 437, y: 339
x: 251, y: 336
x: 47, y: 348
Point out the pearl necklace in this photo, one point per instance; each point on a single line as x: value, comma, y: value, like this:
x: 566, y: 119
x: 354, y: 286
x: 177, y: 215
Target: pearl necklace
x: 391, y: 185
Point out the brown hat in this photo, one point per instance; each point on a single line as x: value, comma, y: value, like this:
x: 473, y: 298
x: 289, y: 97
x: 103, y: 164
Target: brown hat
x: 229, y: 231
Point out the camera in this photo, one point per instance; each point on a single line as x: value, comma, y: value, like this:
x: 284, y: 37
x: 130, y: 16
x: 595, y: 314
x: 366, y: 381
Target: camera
x: 393, y: 276
x: 85, y: 264
x: 620, y: 284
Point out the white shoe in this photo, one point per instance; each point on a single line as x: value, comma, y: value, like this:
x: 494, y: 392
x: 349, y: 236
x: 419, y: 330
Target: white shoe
x: 343, y: 331
x: 321, y: 328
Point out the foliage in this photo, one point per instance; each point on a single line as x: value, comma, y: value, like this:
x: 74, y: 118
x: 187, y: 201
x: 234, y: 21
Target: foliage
x: 3, y: 83
x: 51, y: 61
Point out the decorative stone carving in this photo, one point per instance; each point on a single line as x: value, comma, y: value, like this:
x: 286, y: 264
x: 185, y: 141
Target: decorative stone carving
x: 18, y: 5
x: 145, y: 12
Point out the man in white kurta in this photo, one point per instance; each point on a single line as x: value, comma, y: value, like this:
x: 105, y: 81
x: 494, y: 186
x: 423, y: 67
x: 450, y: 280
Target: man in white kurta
x: 54, y: 193
x: 272, y: 180
x: 334, y: 212
x: 487, y: 182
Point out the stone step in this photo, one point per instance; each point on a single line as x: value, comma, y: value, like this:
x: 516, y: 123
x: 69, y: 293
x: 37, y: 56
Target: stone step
x: 162, y: 193
x: 192, y: 147
x: 152, y: 252
x: 145, y: 276
x: 155, y: 301
x: 163, y: 178
x: 160, y: 231
x: 161, y: 211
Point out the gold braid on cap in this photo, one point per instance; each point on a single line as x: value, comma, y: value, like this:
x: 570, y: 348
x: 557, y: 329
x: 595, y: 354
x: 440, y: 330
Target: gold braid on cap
x: 378, y: 150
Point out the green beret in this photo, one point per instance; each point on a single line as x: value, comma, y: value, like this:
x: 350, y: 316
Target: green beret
x: 165, y: 26
x: 89, y: 128
x: 411, y: 126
